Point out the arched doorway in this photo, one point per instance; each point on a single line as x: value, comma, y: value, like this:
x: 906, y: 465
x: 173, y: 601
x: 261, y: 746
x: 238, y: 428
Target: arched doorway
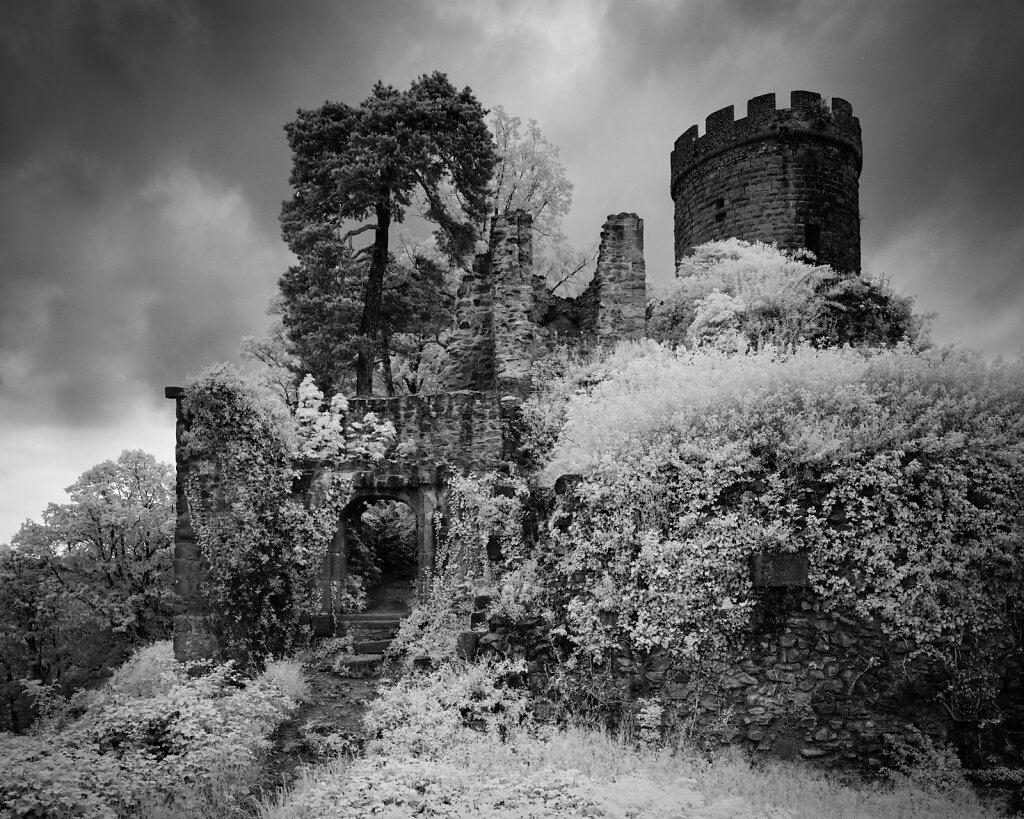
x: 348, y: 553
x: 381, y: 558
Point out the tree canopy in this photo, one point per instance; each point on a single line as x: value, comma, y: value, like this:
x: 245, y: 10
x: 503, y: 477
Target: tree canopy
x: 367, y: 164
x: 78, y: 590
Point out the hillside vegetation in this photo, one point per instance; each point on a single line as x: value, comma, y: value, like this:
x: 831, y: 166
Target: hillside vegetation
x: 648, y: 475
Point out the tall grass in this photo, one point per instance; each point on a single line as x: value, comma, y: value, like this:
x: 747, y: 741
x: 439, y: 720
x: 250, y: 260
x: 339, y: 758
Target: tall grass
x: 534, y: 771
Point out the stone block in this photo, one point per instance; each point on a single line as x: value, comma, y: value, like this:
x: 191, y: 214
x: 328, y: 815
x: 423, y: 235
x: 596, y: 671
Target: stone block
x: 786, y: 570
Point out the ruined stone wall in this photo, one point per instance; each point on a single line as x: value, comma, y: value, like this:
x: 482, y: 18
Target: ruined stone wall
x: 789, y: 175
x: 505, y: 318
x: 193, y: 639
x: 519, y: 338
x: 470, y: 362
x: 459, y: 431
x: 810, y: 685
x: 436, y: 436
x: 620, y: 281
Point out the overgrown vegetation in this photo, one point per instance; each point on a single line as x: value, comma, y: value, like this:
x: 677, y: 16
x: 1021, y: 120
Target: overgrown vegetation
x: 895, y: 472
x: 480, y: 536
x: 263, y: 544
x: 158, y: 739
x: 460, y: 741
x: 735, y: 294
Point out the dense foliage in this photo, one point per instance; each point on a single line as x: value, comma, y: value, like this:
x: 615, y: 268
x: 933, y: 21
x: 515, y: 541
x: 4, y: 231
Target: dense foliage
x: 369, y: 162
x: 320, y: 308
x: 897, y: 473
x: 158, y: 739
x: 733, y: 294
x: 263, y: 544
x: 80, y: 589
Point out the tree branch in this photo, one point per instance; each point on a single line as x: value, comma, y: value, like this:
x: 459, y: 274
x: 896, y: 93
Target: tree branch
x: 569, y: 275
x: 356, y: 231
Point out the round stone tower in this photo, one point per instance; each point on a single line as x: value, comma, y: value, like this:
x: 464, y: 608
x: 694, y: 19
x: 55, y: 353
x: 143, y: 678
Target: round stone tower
x: 788, y: 176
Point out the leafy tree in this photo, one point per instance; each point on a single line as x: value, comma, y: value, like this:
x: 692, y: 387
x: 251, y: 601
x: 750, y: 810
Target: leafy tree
x: 92, y: 580
x: 367, y: 163
x: 113, y: 542
x: 530, y: 177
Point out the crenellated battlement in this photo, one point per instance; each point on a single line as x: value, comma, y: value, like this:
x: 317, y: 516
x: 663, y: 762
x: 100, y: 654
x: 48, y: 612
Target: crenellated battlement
x: 807, y: 115
x: 784, y: 175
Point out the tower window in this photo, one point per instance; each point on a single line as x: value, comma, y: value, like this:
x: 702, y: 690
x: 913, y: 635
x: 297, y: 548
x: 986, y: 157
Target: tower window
x: 812, y: 239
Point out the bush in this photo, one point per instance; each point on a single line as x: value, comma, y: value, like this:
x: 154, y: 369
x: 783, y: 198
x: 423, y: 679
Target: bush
x: 422, y: 715
x: 895, y: 472
x: 153, y: 740
x: 732, y: 294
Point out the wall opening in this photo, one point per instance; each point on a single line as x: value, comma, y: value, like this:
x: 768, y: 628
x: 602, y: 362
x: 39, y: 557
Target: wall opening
x: 381, y: 555
x: 382, y: 552
x: 812, y: 239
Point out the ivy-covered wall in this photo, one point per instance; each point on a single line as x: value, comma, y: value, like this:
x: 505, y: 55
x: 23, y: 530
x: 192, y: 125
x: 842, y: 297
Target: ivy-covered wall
x: 428, y: 439
x: 801, y: 683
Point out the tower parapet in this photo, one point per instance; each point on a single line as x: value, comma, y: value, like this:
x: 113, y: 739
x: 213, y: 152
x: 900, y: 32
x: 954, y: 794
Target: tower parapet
x: 787, y: 175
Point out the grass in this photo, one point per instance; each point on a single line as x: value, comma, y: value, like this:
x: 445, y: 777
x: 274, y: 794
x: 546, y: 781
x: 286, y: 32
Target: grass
x: 580, y: 771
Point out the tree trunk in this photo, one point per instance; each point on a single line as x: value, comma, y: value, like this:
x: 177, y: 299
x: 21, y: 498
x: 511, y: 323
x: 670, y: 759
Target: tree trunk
x: 369, y: 325
x: 389, y: 376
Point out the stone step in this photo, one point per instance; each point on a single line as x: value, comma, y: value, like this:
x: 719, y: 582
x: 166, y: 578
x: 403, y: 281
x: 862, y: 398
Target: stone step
x: 365, y: 625
x: 371, y: 646
x: 357, y: 665
x: 373, y: 616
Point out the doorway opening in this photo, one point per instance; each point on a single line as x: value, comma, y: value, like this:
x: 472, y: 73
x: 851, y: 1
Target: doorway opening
x: 382, y: 550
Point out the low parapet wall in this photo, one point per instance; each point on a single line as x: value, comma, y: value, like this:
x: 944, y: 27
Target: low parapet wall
x: 459, y: 431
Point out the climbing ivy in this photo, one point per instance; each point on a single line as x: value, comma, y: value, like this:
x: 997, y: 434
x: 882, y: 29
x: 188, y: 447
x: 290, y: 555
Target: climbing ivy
x: 264, y: 543
x: 896, y: 473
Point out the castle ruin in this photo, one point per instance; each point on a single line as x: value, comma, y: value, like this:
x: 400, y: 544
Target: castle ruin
x: 785, y: 175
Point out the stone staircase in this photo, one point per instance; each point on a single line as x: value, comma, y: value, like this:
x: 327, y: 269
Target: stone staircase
x: 372, y: 630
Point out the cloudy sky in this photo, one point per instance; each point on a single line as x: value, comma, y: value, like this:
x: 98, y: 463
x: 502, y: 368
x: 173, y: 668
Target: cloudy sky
x: 143, y: 164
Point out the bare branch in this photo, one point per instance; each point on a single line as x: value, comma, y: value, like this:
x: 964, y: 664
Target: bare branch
x: 569, y: 275
x: 348, y: 237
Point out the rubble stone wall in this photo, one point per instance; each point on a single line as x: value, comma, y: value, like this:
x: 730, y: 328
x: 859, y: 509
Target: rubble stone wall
x: 620, y: 279
x: 461, y: 431
x: 812, y: 685
x: 506, y: 319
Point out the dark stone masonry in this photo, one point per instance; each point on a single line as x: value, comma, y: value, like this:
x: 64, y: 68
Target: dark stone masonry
x: 789, y: 176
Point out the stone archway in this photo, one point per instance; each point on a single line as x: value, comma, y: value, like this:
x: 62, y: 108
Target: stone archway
x: 422, y: 499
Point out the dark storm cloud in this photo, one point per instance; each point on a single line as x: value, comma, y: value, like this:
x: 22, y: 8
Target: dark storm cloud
x: 121, y: 119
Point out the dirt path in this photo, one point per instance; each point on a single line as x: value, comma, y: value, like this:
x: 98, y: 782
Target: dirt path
x: 341, y: 686
x: 330, y: 721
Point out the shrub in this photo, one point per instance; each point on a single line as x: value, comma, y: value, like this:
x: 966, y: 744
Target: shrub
x: 895, y: 472
x: 422, y: 715
x: 153, y: 740
x: 733, y: 293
